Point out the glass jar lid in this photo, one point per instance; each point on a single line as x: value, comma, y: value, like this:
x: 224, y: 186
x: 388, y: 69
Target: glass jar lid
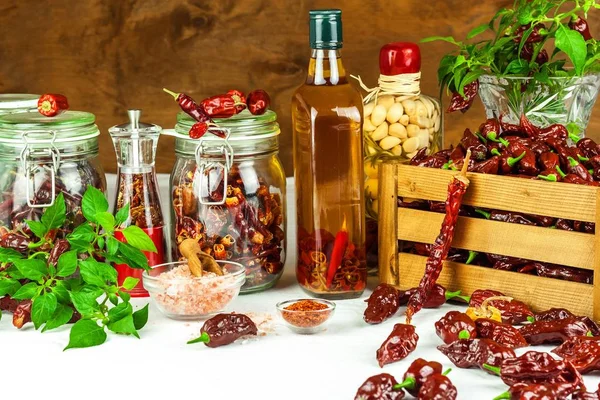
x: 135, y: 142
x: 69, y: 126
x: 14, y: 102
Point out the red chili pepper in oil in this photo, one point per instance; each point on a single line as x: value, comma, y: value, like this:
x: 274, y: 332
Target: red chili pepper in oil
x: 339, y: 248
x: 51, y: 105
x: 440, y: 248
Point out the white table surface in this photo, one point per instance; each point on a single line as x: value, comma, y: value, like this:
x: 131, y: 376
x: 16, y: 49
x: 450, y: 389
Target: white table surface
x: 280, y: 365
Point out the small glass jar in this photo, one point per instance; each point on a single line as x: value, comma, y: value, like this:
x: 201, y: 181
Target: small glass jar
x: 41, y: 157
x: 230, y: 195
x: 11, y: 103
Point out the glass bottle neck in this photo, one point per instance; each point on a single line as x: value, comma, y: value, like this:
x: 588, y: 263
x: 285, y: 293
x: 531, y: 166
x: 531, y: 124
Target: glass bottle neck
x: 326, y: 68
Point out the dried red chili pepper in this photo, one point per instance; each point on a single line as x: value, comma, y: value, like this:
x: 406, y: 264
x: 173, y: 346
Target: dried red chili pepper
x: 556, y: 132
x: 536, y: 367
x: 440, y: 248
x: 557, y: 331
x: 379, y: 387
x: 258, y: 102
x: 559, y: 272
x: 489, y: 166
x: 576, y: 168
x: 60, y: 247
x: 22, y: 314
x: 538, y: 391
x: 526, y: 158
x: 472, y: 142
x: 198, y: 130
x: 382, y: 304
x: 455, y: 324
x: 553, y: 314
x: 438, y: 387
x: 581, y: 351
x: 548, y: 161
x: 51, y: 105
x: 475, y: 353
x: 460, y: 103
x: 417, y: 374
x: 512, y: 217
x: 15, y: 241
x: 337, y: 253
x: 399, y: 344
x: 223, y: 329
x: 531, y: 130
x: 220, y: 106
x: 588, y: 147
x: 513, y: 311
x: 500, y: 333
x: 189, y: 106
x: 580, y: 25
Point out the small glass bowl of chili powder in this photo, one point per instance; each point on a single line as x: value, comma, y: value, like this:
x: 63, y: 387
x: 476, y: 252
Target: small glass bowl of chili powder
x: 306, y: 316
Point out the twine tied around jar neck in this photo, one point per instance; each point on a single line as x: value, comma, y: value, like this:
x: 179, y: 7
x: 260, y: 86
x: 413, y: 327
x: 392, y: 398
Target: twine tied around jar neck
x: 404, y: 86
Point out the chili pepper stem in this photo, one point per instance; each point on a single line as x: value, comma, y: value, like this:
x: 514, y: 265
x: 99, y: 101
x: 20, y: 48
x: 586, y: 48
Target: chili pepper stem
x: 485, y: 214
x: 472, y: 255
x: 531, y: 319
x: 446, y: 372
x: 505, y: 395
x: 560, y: 171
x: 463, y: 171
x: 464, y: 334
x: 204, y: 338
x: 175, y: 95
x: 495, y: 152
x: 513, y: 160
x: 408, y: 383
x: 492, y: 368
x: 549, y: 178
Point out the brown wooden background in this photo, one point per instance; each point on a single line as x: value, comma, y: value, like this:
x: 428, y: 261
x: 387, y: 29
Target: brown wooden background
x: 110, y: 55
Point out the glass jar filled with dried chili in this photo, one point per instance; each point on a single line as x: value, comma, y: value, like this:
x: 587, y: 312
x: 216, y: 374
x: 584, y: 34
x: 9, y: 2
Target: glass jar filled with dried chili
x: 230, y: 195
x: 137, y: 191
x: 42, y: 157
x: 11, y: 103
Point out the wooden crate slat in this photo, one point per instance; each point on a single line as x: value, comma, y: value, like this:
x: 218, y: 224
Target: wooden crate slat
x: 540, y: 293
x: 523, y: 241
x: 561, y: 200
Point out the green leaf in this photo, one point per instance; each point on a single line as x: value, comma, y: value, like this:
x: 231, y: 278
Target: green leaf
x: 124, y: 326
x: 85, y: 301
x: 134, y: 257
x: 100, y: 243
x: 119, y: 312
x: 140, y: 317
x: 139, y: 239
x: 125, y: 296
x: 8, y: 255
x: 448, y: 39
x: 42, y: 309
x: 93, y: 202
x: 525, y: 14
x: 61, y: 292
x: 34, y: 269
x: 130, y: 282
x: 86, y: 333
x: 573, y: 45
x: 67, y: 263
x: 96, y: 273
x: 39, y: 229
x: 477, y: 31
x: 9, y: 286
x: 114, y: 299
x: 122, y: 215
x: 83, y: 231
x: 106, y: 221
x: 112, y: 245
x: 62, y: 315
x: 54, y: 216
x: 27, y: 291
x: 517, y: 67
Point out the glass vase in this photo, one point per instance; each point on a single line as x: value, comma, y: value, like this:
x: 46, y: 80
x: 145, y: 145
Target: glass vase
x: 563, y: 100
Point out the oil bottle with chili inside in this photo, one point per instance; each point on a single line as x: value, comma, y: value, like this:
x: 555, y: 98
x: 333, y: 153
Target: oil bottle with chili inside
x: 137, y: 192
x: 327, y: 121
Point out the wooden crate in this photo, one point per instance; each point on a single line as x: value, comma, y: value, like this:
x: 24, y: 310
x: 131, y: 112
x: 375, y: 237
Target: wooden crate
x: 559, y: 200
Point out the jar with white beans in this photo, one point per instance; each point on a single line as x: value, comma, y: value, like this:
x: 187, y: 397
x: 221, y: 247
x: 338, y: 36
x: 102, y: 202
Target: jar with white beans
x: 398, y: 122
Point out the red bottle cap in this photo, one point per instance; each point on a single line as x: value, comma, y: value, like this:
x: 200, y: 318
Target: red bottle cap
x: 399, y: 58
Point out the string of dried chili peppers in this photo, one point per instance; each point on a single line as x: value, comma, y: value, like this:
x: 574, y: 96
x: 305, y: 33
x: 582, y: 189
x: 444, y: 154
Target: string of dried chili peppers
x: 440, y: 248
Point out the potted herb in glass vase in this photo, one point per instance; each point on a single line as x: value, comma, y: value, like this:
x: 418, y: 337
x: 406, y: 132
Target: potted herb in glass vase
x: 539, y: 60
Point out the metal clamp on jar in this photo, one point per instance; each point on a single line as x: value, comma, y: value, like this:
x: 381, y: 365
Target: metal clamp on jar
x: 229, y: 195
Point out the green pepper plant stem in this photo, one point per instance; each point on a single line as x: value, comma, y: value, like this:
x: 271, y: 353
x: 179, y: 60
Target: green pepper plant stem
x: 456, y: 295
x: 203, y: 338
x: 408, y: 383
x: 505, y: 395
x: 512, y: 161
x: 549, y: 177
x: 485, y: 214
x: 572, y: 162
x: 472, y: 255
x: 446, y: 372
x: 494, y: 138
x: 560, y: 172
x: 492, y: 368
x: 496, y: 152
x: 464, y: 334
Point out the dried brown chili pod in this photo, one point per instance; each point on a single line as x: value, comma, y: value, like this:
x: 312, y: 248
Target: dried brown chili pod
x: 224, y: 329
x: 379, y: 387
x: 553, y: 314
x: 398, y: 345
x: 382, y: 304
x: 455, y: 325
x: 582, y: 351
x: 513, y: 311
x: 475, y: 353
x: 501, y: 333
x: 557, y: 331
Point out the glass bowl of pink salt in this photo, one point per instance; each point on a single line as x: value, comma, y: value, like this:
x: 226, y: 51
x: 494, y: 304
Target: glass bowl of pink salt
x: 180, y: 295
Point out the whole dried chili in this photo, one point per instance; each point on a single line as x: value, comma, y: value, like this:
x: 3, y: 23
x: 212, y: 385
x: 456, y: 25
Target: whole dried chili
x: 527, y: 162
x: 548, y: 161
x: 535, y: 367
x: 221, y: 106
x: 22, y: 314
x: 489, y: 166
x: 379, y: 387
x: 51, y: 105
x: 589, y: 148
x: 455, y: 324
x: 581, y: 351
x: 535, y: 36
x: 580, y: 25
x: 417, y: 373
x: 475, y: 353
x: 189, y: 106
x: 530, y: 130
x: 258, y: 102
x: 60, y: 247
x: 471, y: 142
x: 15, y: 241
x: 512, y: 217
x: 198, y: 130
x: 500, y: 333
x: 440, y: 248
x: 438, y: 295
x: 557, y: 331
x: 538, y: 391
x: 460, y: 103
x: 438, y: 387
x: 556, y: 132
x: 340, y: 245
x: 553, y: 314
x: 383, y: 303
x: 513, y: 311
x: 562, y: 272
x: 398, y: 345
x: 576, y: 168
x: 223, y: 329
